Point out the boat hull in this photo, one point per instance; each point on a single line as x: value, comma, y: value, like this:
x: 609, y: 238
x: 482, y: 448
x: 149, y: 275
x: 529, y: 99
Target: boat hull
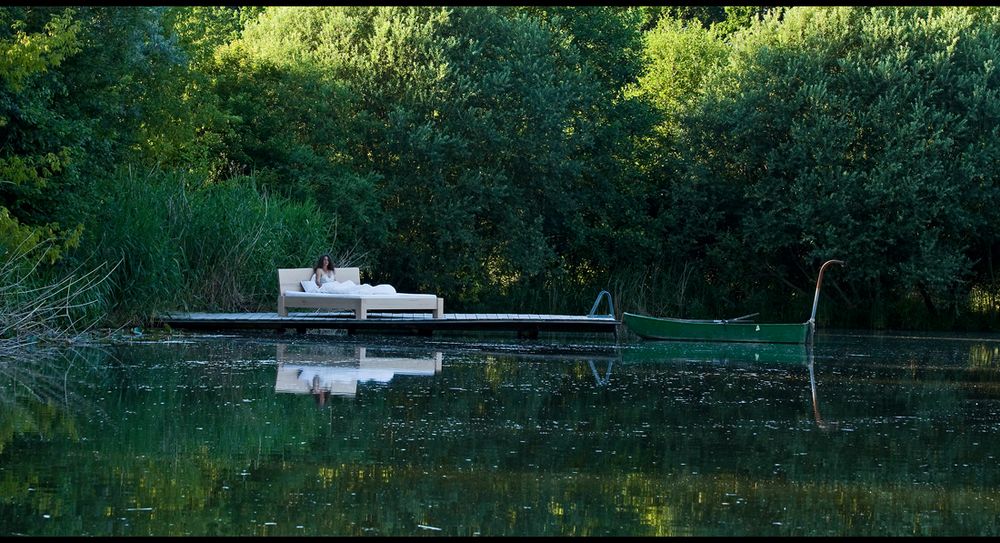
x: 684, y: 330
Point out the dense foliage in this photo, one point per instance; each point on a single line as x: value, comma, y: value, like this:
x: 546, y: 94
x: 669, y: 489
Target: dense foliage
x: 696, y: 162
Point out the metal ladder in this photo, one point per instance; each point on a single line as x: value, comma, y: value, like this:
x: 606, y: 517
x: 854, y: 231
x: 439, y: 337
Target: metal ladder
x: 611, y: 306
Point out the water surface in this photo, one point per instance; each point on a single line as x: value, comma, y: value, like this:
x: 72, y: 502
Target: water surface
x: 338, y: 435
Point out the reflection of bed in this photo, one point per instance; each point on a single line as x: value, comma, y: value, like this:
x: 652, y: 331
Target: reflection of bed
x: 306, y: 371
x: 291, y: 294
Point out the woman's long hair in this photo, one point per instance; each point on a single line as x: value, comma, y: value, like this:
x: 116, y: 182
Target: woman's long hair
x: 319, y: 262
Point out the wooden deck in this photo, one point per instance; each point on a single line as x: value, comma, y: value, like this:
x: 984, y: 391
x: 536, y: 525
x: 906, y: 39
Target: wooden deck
x: 526, y: 325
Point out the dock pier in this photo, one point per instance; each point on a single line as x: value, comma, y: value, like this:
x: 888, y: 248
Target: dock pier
x: 525, y: 325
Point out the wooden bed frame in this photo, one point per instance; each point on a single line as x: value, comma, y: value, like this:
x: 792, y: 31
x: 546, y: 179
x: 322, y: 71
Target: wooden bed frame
x: 289, y: 280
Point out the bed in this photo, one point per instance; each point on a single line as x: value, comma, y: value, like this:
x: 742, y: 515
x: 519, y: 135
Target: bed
x: 291, y: 294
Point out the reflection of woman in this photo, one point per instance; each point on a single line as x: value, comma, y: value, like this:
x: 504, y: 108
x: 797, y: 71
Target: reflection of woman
x: 323, y: 271
x: 318, y: 392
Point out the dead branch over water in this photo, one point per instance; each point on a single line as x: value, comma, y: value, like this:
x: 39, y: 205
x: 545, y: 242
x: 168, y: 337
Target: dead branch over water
x: 40, y: 317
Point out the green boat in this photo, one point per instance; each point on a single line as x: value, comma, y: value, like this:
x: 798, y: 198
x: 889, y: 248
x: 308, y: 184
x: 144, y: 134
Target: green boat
x: 731, y: 330
x: 718, y: 330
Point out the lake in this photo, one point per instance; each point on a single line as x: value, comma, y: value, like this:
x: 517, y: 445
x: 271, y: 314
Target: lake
x: 325, y: 434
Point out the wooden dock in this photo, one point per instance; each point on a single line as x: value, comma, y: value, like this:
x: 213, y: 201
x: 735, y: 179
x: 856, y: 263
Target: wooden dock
x: 525, y: 325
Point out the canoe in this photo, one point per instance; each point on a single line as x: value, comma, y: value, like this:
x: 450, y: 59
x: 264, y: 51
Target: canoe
x: 730, y: 330
x: 691, y: 330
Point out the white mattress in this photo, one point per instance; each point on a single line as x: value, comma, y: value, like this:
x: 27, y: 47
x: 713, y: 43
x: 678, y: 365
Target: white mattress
x: 321, y: 295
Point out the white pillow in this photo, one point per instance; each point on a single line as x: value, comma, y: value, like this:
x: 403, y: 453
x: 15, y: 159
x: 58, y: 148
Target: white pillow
x: 310, y: 286
x: 383, y: 289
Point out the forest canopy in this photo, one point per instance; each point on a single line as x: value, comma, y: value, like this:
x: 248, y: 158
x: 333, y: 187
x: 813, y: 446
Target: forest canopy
x: 695, y: 162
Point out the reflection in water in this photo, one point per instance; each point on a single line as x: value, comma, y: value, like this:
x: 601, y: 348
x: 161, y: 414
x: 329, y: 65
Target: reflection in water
x: 717, y: 352
x: 984, y: 355
x: 203, y: 438
x: 323, y: 370
x: 27, y: 381
x: 759, y: 354
x: 594, y: 360
x: 602, y: 380
x: 823, y: 425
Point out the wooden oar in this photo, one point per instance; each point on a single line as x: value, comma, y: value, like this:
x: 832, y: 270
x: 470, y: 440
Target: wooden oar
x: 742, y: 318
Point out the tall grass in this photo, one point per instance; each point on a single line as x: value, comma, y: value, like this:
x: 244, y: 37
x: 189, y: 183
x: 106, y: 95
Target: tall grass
x: 186, y: 245
x: 235, y: 240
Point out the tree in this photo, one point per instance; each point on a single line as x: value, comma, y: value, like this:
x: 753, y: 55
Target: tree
x: 38, y: 144
x: 864, y: 134
x: 478, y: 130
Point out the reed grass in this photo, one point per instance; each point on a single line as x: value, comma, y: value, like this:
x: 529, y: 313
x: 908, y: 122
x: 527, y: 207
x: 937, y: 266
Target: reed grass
x: 186, y: 245
x: 40, y: 313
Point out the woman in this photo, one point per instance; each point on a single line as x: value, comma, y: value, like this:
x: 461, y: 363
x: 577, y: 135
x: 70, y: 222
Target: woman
x: 323, y: 271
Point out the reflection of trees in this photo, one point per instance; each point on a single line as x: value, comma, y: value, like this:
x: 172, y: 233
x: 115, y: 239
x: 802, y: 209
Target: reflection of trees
x: 42, y: 410
x: 984, y: 355
x: 39, y: 394
x: 194, y: 441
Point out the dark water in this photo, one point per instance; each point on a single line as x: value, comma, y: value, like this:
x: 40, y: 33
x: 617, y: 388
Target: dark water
x: 331, y: 435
